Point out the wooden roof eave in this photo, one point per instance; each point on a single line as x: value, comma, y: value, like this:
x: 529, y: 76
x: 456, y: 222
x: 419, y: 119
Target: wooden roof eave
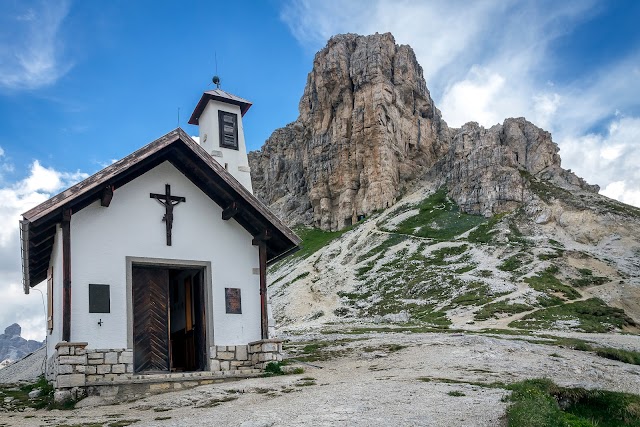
x: 38, y: 224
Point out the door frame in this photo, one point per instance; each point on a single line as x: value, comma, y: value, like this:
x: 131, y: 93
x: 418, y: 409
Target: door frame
x: 178, y: 264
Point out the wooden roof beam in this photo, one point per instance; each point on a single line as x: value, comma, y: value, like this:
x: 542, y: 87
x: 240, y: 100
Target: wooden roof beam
x: 107, y: 195
x: 262, y: 237
x: 230, y: 211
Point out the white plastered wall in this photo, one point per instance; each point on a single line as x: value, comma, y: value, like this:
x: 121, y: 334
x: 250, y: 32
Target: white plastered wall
x: 236, y: 161
x: 102, y: 238
x: 55, y: 262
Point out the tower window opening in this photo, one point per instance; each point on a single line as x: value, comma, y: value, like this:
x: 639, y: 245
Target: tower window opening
x: 228, y: 123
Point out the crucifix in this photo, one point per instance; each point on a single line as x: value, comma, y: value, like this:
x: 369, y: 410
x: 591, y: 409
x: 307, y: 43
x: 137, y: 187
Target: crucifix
x: 169, y: 202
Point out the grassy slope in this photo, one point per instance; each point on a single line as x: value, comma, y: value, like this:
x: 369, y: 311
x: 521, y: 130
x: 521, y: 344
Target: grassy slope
x: 403, y: 272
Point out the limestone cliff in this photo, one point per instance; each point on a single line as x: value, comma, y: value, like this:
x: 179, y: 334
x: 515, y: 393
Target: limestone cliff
x: 368, y: 128
x: 13, y: 346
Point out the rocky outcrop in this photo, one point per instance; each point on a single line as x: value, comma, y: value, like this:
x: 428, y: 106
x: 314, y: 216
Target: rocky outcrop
x: 13, y: 346
x: 489, y: 171
x: 368, y: 128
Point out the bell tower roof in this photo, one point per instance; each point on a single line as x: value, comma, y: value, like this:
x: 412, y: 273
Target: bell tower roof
x: 221, y: 96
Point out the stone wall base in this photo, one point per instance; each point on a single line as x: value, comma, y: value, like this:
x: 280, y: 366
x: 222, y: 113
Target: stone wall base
x: 78, y: 370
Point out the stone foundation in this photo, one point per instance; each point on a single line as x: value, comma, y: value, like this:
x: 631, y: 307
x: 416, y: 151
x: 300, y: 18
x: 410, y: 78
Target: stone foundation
x: 77, y: 370
x: 69, y: 363
x: 255, y: 355
x: 108, y: 364
x: 264, y: 352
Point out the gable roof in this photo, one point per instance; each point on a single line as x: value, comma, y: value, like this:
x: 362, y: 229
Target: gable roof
x: 218, y: 95
x: 38, y: 226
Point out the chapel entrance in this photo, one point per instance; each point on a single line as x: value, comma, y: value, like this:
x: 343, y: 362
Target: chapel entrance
x: 168, y: 319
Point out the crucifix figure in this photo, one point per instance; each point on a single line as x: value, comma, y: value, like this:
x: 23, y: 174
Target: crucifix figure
x: 169, y: 202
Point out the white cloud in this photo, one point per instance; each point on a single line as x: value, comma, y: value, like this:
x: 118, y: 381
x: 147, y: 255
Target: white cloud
x: 31, y: 52
x: 488, y: 60
x: 610, y: 159
x: 15, y: 199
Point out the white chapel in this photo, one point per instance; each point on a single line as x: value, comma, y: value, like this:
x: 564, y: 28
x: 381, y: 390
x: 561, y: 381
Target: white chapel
x: 156, y: 265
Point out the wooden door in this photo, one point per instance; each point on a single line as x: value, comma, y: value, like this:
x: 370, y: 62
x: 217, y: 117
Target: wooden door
x: 150, y: 319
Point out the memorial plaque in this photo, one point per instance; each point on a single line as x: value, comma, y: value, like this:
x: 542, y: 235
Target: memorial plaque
x: 99, y: 299
x: 232, y: 300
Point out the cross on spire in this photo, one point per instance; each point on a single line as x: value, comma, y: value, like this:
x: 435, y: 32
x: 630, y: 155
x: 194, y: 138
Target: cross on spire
x: 169, y: 202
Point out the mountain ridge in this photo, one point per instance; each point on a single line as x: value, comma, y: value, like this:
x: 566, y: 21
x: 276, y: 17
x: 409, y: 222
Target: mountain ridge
x: 368, y: 129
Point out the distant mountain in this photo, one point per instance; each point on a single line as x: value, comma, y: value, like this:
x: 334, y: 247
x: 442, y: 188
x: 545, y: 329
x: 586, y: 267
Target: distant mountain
x: 13, y: 347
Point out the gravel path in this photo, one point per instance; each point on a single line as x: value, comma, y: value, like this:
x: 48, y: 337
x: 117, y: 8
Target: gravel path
x: 367, y: 384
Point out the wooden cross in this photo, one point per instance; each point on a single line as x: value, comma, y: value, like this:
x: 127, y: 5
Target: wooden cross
x: 169, y: 203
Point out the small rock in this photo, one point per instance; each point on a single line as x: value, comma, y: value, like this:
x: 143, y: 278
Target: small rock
x: 8, y: 399
x: 62, y: 396
x: 35, y: 393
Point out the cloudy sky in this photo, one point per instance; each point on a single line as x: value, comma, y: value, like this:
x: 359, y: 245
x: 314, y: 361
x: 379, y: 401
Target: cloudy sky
x: 84, y: 83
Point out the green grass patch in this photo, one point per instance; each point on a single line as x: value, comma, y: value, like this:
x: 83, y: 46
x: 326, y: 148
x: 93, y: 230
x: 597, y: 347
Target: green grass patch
x: 556, y: 244
x: 626, y: 356
x: 588, y: 279
x: 546, y: 282
x: 535, y: 403
x: 456, y: 393
x: 314, y: 239
x: 273, y: 368
x: 440, y: 256
x: 592, y: 315
x: 18, y: 396
x: 512, y: 263
x: 438, y: 218
x: 391, y: 241
x: 485, y: 232
x: 477, y: 293
x: 492, y: 310
x: 551, y: 255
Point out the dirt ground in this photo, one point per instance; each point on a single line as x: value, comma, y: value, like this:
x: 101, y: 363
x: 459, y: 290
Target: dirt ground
x: 377, y: 379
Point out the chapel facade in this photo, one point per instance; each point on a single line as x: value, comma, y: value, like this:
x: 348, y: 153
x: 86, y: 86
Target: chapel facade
x: 155, y: 266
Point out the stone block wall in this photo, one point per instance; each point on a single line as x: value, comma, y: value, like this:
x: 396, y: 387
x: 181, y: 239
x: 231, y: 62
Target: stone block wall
x: 265, y: 351
x: 229, y: 358
x: 70, y: 361
x: 76, y: 369
x: 108, y: 364
x: 255, y: 355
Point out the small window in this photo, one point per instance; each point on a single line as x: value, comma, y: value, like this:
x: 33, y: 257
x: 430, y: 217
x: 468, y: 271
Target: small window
x: 99, y: 299
x: 228, y: 129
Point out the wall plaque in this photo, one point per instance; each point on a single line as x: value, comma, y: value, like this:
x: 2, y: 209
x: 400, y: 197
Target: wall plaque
x: 232, y: 300
x: 99, y: 299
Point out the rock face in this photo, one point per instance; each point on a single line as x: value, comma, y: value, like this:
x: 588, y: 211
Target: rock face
x: 368, y: 128
x: 13, y: 346
x: 488, y: 170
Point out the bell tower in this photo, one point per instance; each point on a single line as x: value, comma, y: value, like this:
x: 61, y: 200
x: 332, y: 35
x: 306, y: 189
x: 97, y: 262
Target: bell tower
x: 218, y: 116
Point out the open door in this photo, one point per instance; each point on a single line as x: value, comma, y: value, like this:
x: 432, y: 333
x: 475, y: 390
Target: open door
x: 187, y: 320
x: 169, y: 319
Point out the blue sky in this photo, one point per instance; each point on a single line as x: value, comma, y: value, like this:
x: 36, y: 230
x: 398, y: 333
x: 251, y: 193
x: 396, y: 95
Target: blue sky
x: 85, y: 82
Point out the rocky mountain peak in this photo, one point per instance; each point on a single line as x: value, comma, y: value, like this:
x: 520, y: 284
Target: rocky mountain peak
x: 368, y: 129
x: 13, y: 330
x: 13, y: 346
